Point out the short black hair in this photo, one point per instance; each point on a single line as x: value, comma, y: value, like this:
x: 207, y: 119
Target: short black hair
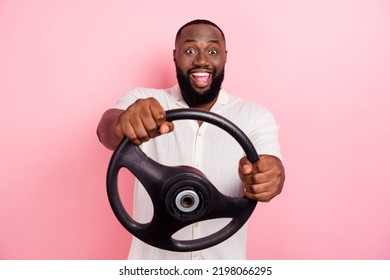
x: 199, y: 21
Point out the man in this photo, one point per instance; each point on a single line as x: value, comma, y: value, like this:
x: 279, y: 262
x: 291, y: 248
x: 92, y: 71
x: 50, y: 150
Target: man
x: 200, y: 56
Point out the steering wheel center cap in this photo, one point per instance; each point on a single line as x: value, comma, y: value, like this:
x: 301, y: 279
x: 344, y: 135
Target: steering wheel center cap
x: 187, y: 201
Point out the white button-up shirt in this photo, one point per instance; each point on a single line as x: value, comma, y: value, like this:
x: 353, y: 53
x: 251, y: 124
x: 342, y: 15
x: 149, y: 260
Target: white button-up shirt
x: 211, y: 150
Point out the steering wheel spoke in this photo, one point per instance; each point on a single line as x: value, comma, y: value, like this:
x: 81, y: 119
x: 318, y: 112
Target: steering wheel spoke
x: 230, y: 207
x: 150, y: 173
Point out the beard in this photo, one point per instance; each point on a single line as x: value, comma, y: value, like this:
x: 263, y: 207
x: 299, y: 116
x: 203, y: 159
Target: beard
x: 195, y: 98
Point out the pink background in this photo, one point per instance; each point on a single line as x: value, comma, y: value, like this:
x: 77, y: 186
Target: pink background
x: 322, y: 68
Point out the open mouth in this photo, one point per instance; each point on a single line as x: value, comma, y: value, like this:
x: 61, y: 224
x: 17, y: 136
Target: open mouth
x: 201, y: 79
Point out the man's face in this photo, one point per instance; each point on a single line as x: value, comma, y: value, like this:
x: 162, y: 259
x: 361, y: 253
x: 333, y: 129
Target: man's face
x: 200, y: 58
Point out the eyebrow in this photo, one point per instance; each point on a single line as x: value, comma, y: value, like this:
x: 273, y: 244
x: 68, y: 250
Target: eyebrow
x: 210, y: 41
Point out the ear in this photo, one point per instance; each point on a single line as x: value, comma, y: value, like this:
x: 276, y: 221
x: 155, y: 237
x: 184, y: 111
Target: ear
x: 173, y: 54
x: 226, y: 55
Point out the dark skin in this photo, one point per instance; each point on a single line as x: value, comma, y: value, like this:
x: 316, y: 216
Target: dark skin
x: 200, y: 53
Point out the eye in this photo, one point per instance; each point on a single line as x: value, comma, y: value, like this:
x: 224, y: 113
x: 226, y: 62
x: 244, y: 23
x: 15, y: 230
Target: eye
x: 213, y: 52
x: 190, y: 51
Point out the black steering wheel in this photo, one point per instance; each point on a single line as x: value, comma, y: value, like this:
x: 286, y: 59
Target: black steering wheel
x: 181, y: 195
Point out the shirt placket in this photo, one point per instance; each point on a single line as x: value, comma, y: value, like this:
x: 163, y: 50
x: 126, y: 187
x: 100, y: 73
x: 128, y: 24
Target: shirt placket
x: 198, y: 150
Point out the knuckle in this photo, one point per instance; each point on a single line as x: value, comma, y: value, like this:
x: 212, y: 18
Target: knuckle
x: 152, y: 132
x: 134, y: 140
x: 256, y: 178
x: 131, y: 136
x: 122, y: 117
x: 143, y: 137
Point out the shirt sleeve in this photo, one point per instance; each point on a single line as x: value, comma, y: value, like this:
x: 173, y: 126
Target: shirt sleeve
x: 264, y: 134
x: 129, y: 98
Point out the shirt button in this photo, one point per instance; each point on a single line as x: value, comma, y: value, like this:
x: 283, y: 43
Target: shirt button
x: 196, y: 225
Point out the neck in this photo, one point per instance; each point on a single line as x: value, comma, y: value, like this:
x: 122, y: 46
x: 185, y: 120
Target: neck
x: 205, y: 107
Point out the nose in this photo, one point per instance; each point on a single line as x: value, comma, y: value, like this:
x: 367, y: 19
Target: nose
x: 201, y: 59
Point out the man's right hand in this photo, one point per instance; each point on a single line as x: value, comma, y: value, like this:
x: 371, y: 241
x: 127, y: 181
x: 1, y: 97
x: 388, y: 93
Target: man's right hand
x: 142, y: 121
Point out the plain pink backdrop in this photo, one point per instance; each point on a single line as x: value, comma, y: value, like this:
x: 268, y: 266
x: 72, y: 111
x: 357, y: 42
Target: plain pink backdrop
x: 322, y: 68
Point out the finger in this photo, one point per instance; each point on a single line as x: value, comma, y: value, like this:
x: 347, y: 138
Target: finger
x: 119, y: 134
x: 159, y: 115
x: 256, y: 178
x: 166, y: 127
x: 245, y: 166
x: 260, y: 192
x: 266, y: 190
x: 149, y: 127
x: 263, y: 197
x: 144, y: 128
x: 157, y: 112
x: 128, y: 131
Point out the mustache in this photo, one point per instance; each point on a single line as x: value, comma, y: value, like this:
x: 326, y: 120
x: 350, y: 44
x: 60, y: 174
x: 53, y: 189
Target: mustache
x: 206, y: 69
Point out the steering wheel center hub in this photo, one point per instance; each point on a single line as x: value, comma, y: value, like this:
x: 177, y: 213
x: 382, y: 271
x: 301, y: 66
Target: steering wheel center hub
x: 187, y: 201
x: 187, y: 195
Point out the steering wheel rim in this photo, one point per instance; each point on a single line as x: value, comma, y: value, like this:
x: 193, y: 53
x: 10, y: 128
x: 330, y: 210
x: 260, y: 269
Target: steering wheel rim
x: 165, y: 184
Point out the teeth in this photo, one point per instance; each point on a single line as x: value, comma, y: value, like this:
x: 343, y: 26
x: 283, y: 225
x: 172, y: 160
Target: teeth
x: 201, y: 74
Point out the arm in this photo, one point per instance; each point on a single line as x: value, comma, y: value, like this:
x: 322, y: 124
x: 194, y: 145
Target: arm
x: 106, y: 131
x: 264, y: 179
x: 141, y: 121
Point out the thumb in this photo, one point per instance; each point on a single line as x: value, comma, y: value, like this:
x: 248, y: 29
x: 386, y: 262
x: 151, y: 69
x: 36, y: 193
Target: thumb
x: 245, y: 166
x: 166, y: 127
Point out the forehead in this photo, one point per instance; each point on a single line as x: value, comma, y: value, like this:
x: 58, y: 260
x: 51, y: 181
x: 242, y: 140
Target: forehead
x: 200, y: 33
